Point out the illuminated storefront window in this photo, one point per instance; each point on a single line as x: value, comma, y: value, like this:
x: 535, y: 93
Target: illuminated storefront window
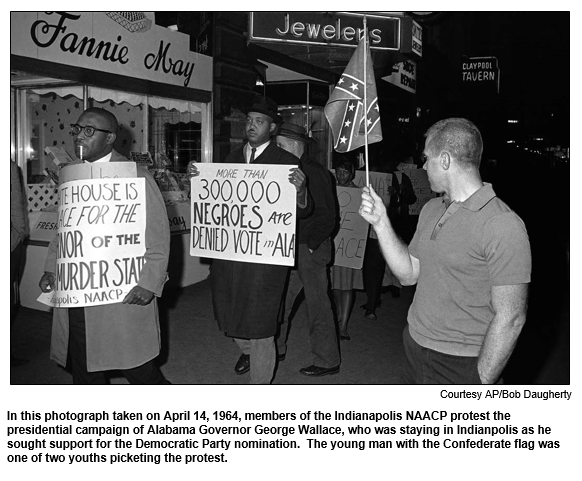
x: 161, y: 133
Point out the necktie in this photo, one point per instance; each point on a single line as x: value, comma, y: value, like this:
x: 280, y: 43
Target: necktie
x: 252, y: 155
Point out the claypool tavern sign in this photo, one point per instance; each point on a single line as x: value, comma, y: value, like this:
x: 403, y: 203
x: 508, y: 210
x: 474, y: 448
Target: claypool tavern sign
x: 122, y: 43
x: 338, y: 29
x: 480, y: 73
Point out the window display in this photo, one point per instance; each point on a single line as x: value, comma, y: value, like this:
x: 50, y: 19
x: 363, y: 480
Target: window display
x: 160, y: 133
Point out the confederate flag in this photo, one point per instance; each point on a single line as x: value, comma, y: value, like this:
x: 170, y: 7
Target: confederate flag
x: 345, y: 108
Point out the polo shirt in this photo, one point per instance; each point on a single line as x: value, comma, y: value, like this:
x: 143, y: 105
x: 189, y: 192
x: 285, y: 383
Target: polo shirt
x: 464, y: 249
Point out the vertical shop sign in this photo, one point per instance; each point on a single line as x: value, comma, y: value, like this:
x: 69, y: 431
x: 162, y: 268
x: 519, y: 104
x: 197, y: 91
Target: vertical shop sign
x: 416, y: 46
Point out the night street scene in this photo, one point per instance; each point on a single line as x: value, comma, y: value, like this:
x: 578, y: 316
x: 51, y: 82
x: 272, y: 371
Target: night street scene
x: 200, y: 94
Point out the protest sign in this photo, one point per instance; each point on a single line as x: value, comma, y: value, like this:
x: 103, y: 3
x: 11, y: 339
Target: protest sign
x: 243, y: 212
x: 421, y: 186
x: 97, y: 170
x: 350, y: 241
x: 380, y: 182
x: 101, y: 240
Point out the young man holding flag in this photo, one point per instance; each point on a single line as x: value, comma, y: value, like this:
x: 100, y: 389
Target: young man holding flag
x: 470, y: 259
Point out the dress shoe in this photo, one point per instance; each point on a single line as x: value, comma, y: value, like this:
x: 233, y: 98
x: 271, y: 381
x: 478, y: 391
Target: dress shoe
x: 16, y: 361
x: 370, y: 314
x: 243, y: 364
x: 316, y: 371
x: 281, y: 357
x: 344, y: 337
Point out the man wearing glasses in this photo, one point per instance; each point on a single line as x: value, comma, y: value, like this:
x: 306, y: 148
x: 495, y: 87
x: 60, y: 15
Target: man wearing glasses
x: 123, y: 336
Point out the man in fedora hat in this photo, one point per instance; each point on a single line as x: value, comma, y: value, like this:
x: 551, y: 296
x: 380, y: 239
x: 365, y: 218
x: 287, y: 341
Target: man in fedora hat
x: 246, y: 296
x: 314, y: 251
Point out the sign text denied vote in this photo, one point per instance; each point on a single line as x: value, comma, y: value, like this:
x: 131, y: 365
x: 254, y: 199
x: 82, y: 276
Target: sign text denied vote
x: 243, y: 212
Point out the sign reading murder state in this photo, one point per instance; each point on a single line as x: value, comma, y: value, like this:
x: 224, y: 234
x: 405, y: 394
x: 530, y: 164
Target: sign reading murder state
x: 350, y: 241
x: 243, y: 212
x: 101, y: 240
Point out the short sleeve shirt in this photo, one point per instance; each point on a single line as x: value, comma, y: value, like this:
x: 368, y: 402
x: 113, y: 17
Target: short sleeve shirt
x: 464, y: 249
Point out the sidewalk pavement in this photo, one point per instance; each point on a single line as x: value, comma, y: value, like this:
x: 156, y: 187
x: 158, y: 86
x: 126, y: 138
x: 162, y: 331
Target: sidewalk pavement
x: 194, y: 351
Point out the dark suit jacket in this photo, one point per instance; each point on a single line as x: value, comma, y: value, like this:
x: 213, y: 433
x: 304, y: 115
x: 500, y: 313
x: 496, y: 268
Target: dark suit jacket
x: 321, y: 222
x: 246, y: 296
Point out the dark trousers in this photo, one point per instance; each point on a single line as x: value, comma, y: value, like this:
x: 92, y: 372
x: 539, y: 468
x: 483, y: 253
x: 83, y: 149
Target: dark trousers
x: 426, y: 366
x: 147, y: 373
x: 373, y: 272
x: 311, y: 276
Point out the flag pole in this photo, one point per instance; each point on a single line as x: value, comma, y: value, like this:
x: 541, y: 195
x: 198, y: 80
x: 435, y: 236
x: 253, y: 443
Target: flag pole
x: 366, y: 102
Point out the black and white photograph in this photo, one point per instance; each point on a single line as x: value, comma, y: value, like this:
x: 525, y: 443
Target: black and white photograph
x: 365, y: 212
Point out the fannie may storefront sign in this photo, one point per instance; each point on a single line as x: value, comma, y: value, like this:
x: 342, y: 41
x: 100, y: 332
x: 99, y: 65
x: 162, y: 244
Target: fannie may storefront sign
x: 340, y: 29
x: 123, y: 43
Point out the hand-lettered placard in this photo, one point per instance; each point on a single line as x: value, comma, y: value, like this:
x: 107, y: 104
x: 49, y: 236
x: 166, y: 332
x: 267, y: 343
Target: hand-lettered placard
x: 97, y: 170
x: 350, y: 241
x: 380, y: 181
x: 243, y: 212
x: 422, y: 190
x: 101, y: 240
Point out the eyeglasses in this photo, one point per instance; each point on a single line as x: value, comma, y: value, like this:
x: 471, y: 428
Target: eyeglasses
x: 88, y: 130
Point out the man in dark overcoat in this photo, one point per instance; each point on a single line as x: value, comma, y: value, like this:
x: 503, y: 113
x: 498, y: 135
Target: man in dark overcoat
x: 247, y: 296
x: 314, y: 253
x: 123, y: 336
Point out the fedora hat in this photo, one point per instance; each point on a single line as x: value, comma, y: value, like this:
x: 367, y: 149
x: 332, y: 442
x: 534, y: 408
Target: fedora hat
x: 293, y: 131
x: 266, y: 106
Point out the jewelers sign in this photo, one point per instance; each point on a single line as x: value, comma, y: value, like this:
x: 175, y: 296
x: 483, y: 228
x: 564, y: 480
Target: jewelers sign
x: 337, y: 29
x: 101, y: 240
x: 243, y: 212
